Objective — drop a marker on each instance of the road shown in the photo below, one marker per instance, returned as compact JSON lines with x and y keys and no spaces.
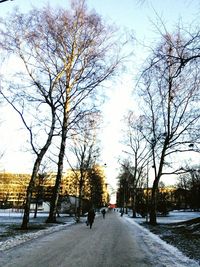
{"x":112,"y":242}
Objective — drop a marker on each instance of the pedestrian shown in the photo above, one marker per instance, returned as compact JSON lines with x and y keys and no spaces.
{"x":103,"y":212}
{"x":122,"y":212}
{"x":90,"y":217}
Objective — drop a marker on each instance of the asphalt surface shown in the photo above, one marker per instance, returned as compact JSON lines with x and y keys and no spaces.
{"x":112,"y":242}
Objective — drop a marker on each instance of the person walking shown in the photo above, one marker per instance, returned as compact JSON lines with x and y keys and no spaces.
{"x":103,"y":212}
{"x":122,"y":212}
{"x":90,"y":217}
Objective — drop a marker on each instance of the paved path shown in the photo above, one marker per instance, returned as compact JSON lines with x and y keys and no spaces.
{"x":112,"y":242}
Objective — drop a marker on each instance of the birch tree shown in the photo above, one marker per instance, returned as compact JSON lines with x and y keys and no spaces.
{"x":31,"y":88}
{"x":89,"y":55}
{"x":67,"y":54}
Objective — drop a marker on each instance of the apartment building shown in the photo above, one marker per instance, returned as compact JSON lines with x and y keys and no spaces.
{"x":13,"y":187}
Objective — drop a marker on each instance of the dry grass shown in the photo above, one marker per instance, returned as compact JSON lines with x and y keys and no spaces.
{"x":184,"y":235}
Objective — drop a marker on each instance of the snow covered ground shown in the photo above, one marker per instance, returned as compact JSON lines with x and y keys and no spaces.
{"x":164,"y":250}
{"x":14,"y":218}
{"x":179,"y":229}
{"x":174,"y":217}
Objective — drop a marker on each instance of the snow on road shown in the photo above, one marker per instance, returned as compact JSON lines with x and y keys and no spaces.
{"x":164,"y":254}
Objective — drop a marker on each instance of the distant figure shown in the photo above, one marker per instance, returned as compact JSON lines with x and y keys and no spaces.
{"x":90,"y":217}
{"x":103,"y":212}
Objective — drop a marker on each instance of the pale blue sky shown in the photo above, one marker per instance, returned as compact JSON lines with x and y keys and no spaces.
{"x":127,"y":14}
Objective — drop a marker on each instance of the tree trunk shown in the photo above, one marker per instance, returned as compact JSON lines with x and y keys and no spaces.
{"x":133,"y":206}
{"x":56,"y":190}
{"x":36,"y":167}
{"x":30,"y":188}
{"x":80,"y":199}
{"x":36,"y":209}
{"x":25,"y":220}
{"x":153,"y":208}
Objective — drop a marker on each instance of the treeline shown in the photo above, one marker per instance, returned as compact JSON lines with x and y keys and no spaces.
{"x":182,"y":196}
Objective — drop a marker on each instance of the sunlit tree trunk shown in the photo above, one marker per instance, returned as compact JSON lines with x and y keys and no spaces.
{"x":56,"y":190}
{"x":34,"y":175}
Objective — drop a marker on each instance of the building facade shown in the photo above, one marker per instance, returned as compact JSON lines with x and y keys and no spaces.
{"x":13,"y":187}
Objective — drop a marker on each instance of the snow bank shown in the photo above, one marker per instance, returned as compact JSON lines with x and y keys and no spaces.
{"x":12,"y":242}
{"x":166,"y":254}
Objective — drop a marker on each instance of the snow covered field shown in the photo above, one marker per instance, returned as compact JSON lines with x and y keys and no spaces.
{"x":180,"y":229}
{"x":175,"y":216}
{"x":10,"y":219}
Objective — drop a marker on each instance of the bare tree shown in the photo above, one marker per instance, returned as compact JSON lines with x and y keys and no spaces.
{"x":32,"y":91}
{"x":39,"y":150}
{"x":89,"y":55}
{"x":170,"y":93}
{"x":85,"y":149}
{"x":67,"y":55}
{"x":138,"y":151}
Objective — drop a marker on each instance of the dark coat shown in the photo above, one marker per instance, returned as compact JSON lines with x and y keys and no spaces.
{"x":103,"y":211}
{"x":91,"y":215}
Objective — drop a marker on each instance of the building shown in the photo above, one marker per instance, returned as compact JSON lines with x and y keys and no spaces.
{"x":13,"y":187}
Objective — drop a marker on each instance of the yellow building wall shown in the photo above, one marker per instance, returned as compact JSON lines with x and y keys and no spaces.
{"x":13,"y":186}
